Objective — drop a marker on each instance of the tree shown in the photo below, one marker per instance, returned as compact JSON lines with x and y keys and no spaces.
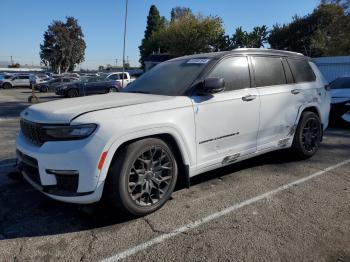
{"x":312,"y":34}
{"x":154,"y":23}
{"x":255,"y":39}
{"x":345,"y":4}
{"x":179,"y":12}
{"x":189,"y":34}
{"x":63,"y":46}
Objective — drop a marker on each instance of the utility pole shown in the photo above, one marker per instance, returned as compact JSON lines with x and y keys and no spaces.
{"x":126,"y":15}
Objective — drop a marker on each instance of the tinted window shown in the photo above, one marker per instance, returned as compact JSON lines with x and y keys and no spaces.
{"x":340,"y":83}
{"x":23,"y":77}
{"x":301,"y":70}
{"x":268,"y":71}
{"x":66,"y":80}
{"x":169,"y":78}
{"x":114,"y":77}
{"x":234,"y":71}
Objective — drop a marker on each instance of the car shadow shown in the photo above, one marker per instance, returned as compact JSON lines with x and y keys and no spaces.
{"x":12,"y":109}
{"x":26,"y":212}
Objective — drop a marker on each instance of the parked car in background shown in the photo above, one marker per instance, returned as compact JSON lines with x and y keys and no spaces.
{"x":23,"y":80}
{"x":182,"y":118}
{"x":118,"y":76}
{"x":340,"y":104}
{"x":88,"y":86}
{"x":51,"y":85}
{"x":43,"y":76}
{"x":76,"y":75}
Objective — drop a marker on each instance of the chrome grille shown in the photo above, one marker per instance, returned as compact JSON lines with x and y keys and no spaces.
{"x":32,"y":131}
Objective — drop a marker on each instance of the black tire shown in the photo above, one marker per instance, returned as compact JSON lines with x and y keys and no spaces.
{"x":7,"y":86}
{"x":72,"y":93}
{"x":307,"y":137}
{"x":44,"y":89}
{"x":123,"y":175}
{"x":112,"y":90}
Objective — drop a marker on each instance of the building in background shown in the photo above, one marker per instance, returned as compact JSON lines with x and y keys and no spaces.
{"x":333,"y":67}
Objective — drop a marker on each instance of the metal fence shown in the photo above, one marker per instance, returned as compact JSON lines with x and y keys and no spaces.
{"x":334,"y":66}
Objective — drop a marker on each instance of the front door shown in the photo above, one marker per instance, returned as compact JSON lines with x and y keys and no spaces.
{"x":227,"y":122}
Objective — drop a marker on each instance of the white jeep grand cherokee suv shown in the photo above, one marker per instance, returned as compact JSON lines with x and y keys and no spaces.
{"x":182,"y":118}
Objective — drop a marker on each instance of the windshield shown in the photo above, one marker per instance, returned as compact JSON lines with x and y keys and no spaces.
{"x":170,"y":78}
{"x":340,"y":83}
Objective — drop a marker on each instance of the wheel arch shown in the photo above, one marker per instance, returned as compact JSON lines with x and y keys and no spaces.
{"x":171,"y":137}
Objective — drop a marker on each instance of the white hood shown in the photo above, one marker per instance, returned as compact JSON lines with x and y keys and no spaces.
{"x":64,"y":110}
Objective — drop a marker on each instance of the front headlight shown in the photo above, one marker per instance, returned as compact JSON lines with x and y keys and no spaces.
{"x":74,"y":132}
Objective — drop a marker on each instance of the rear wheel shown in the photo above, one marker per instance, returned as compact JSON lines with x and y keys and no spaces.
{"x":72,"y":93}
{"x":142,"y":177}
{"x":307,"y":137}
{"x":7,"y":85}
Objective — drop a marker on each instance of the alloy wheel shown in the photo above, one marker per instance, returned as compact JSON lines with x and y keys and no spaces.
{"x":311,"y":135}
{"x":150,"y":176}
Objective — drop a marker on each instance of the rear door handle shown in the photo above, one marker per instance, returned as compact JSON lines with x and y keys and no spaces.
{"x":295,"y":91}
{"x":248,"y":98}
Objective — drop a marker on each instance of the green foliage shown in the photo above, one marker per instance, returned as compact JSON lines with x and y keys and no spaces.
{"x":255,"y":39}
{"x":63,"y":46}
{"x":345,"y":4}
{"x":189,"y":34}
{"x":179,"y":12}
{"x":324,"y":32}
{"x":154,"y":23}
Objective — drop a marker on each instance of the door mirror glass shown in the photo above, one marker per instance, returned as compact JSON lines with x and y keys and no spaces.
{"x":212,"y":85}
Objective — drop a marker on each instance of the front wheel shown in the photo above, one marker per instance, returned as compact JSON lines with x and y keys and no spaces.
{"x":308,"y":135}
{"x":142,"y":177}
{"x":7,"y":86}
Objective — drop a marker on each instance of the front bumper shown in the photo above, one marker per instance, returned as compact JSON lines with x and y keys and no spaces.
{"x":42,"y":167}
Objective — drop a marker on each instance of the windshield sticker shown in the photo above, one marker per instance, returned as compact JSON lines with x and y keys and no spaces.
{"x":198,"y":61}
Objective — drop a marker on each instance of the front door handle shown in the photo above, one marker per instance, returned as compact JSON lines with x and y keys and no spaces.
{"x":248,"y":98}
{"x":295,"y":91}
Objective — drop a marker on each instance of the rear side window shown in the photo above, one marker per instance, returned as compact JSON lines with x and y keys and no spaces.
{"x":340,"y":83}
{"x":23,"y":77}
{"x":234,"y":71}
{"x":268,"y":71}
{"x":301,"y":70}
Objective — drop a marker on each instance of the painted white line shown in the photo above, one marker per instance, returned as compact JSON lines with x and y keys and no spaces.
{"x":133,"y":250}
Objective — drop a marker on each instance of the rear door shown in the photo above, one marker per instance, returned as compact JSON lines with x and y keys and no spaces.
{"x":227,"y":122}
{"x":280,"y":100}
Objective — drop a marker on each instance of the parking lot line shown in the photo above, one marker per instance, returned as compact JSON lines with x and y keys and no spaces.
{"x":163,"y":237}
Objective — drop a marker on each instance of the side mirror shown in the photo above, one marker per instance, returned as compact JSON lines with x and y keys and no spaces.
{"x":212,"y":85}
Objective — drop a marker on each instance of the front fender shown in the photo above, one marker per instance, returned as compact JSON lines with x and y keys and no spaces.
{"x":115,"y":143}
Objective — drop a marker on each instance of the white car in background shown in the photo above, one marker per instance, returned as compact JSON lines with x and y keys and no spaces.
{"x":183,"y":117}
{"x":340,"y":105}
{"x":118,"y":76}
{"x":22,"y":80}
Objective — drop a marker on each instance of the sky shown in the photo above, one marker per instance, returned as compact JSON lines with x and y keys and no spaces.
{"x":23,"y":23}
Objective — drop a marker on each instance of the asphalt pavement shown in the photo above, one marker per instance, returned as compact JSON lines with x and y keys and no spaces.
{"x":270,"y":208}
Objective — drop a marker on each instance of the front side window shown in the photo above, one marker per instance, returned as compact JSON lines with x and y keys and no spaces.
{"x":268,"y":71}
{"x":235,"y":72}
{"x":114,"y":77}
{"x":301,"y":70}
